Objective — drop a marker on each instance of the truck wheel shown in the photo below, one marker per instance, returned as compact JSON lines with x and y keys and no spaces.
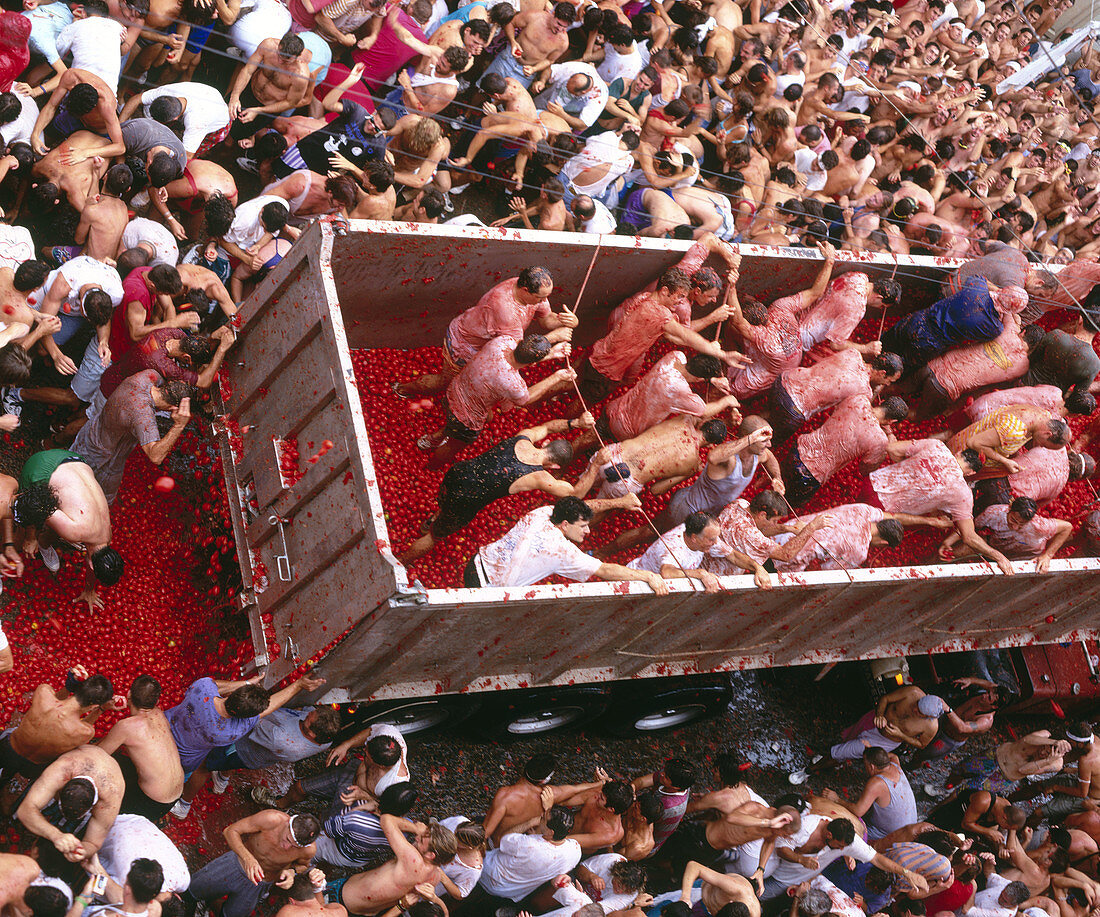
{"x":530,"y":714}
{"x":635,"y":712}
{"x":416,"y":716}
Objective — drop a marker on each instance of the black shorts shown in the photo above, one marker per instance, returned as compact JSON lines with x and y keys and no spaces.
{"x":239,"y":129}
{"x":12,"y":763}
{"x":801,"y":484}
{"x":455,"y":513}
{"x":456,"y":429}
{"x":134,"y":800}
{"x":991,"y":492}
{"x":786,"y":417}
{"x":933,"y":399}
{"x":471,"y":579}
{"x":594,"y":385}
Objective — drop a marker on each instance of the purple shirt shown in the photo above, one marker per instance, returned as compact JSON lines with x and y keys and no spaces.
{"x":197,"y":726}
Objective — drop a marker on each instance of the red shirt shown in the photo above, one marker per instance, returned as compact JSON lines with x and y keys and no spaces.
{"x":641,"y":327}
{"x":951,"y":899}
{"x":134,"y":289}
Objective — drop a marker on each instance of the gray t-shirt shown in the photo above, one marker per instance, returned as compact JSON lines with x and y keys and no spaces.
{"x":277,"y":737}
{"x":1063,"y":360}
{"x":142,"y":134}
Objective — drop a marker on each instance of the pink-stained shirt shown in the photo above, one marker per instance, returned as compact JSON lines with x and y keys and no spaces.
{"x":851,"y":432}
{"x":1043,"y":474}
{"x":486,"y":381}
{"x":660,"y":393}
{"x":740,"y":532}
{"x":1048,"y":397}
{"x":497,"y":313}
{"x":641,"y":327}
{"x":691,"y":262}
{"x":815,"y":388}
{"x":773,"y":347}
{"x":835,"y":315}
{"x":1010,"y":300}
{"x":928,"y":480}
{"x":533,"y":549}
{"x":966,"y":368}
{"x":672,"y":549}
{"x":1075,"y":281}
{"x":847,"y":537}
{"x":1029,"y":540}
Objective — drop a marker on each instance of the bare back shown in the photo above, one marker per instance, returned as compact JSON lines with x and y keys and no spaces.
{"x":668,"y":450}
{"x":147,"y":739}
{"x":50,"y":728}
{"x":520,"y":802}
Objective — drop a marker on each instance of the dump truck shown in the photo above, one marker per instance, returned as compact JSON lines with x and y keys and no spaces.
{"x":322,"y":585}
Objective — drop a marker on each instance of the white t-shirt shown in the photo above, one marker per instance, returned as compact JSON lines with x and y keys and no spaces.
{"x":672,"y":547}
{"x":96,"y":46}
{"x":523,"y":862}
{"x":80,"y":271}
{"x":204,"y":113}
{"x":986,"y":902}
{"x":560,"y":74}
{"x":165,"y":248}
{"x":790,"y":874}
{"x":533,"y":549}
{"x":464,"y":876}
{"x":132,"y":837}
{"x":804,"y":160}
{"x":247,"y":229}
{"x":393,"y":775}
{"x":573,"y":899}
{"x":603,"y":221}
{"x":614,"y":64}
{"x":16,"y":246}
{"x":23,"y":125}
{"x":3,"y":640}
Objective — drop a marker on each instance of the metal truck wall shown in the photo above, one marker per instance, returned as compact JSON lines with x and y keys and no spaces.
{"x":395,"y":285}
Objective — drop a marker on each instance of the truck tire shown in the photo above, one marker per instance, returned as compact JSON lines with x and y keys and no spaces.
{"x":530,"y":714}
{"x":416,"y":716}
{"x":642,"y":708}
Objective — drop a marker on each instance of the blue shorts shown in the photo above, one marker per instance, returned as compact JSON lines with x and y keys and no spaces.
{"x":801,"y":485}
{"x":634,"y":212}
{"x":786,"y":417}
{"x":198,"y":37}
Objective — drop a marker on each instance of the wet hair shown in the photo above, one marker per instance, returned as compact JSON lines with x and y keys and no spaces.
{"x":469,"y":834}
{"x":291,"y":45}
{"x":501,"y":14}
{"x":840,"y":829}
{"x":768,"y":503}
{"x":1015,"y":816}
{"x":891,"y":531}
{"x":34,"y":504}
{"x":1015,"y":893}
{"x":15,"y":364}
{"x":342,"y":188}
{"x":162,"y":169}
{"x":273,"y":144}
{"x":876,"y":757}
{"x":480,"y":29}
{"x":704,"y":366}
{"x":972,"y":459}
{"x":301,"y":889}
{"x":10,"y":107}
{"x":553,"y":189}
{"x":532,"y":279}
{"x":674,"y":280}
{"x":829,"y":160}
{"x":30,"y":275}
{"x":93,"y":691}
{"x":531,"y":349}
{"x":559,"y":451}
{"x":697,"y":521}
{"x":1087,"y":469}
{"x":706,"y":278}
{"x":1080,"y":402}
{"x":560,"y":820}
{"x":398,"y":799}
{"x":77,"y":797}
{"x":384,"y":750}
{"x":218,"y":213}
{"x":629,"y":876}
{"x":145,"y":692}
{"x":118,"y":179}
{"x":457,"y":58}
{"x":620,"y":34}
{"x":107,"y":565}
{"x":493,"y":83}
{"x":305,"y":828}
{"x":650,"y":806}
{"x":81,"y":99}
{"x":568,"y":509}
{"x":379,"y":174}
{"x":619,"y":795}
{"x":754,"y":311}
{"x":247,"y":701}
{"x":714,"y":432}
{"x":895,"y":408}
{"x":200,"y":348}
{"x":166,"y":279}
{"x":98,"y":307}
{"x":1060,"y":432}
{"x":889,"y":290}
{"x":792,"y":94}
{"x":45,"y":901}
{"x":166,"y":109}
{"x":565,"y":12}
{"x":432,"y":203}
{"x":145,"y":878}
{"x":539,"y":768}
{"x":274,"y":215}
{"x":1024,"y":507}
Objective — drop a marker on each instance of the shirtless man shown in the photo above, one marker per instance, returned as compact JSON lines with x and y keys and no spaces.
{"x":434,"y":85}
{"x":81,"y":110}
{"x":201,"y":180}
{"x":510,"y":113}
{"x":306,"y":893}
{"x":541,"y":41}
{"x":84,"y":781}
{"x":663,"y":456}
{"x":69,"y":167}
{"x":79,"y":515}
{"x":196,"y":277}
{"x":1071,"y":793}
{"x":749,"y":830}
{"x":521,"y":801}
{"x":104,"y":217}
{"x":263,"y":849}
{"x":56,"y":723}
{"x":599,"y":822}
{"x":376,"y":196}
{"x":719,"y":889}
{"x":17,"y":872}
{"x":375,"y":891}
{"x":275,"y":79}
{"x":143,"y":746}
{"x":310,"y":194}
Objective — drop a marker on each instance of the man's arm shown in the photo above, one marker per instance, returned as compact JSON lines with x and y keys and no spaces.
{"x":281,"y":698}
{"x":37,"y":798}
{"x":618,"y":573}
{"x":788,"y":552}
{"x":157,"y":452}
{"x":332,"y":101}
{"x":1064,"y":530}
{"x":872,"y":793}
{"x":812,"y":295}
{"x":210,"y":371}
{"x":917,"y":881}
{"x":973,"y":540}
{"x":244,"y":77}
{"x":234,"y":835}
{"x":685,"y":337}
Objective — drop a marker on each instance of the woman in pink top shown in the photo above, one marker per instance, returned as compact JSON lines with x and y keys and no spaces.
{"x":926,"y":478}
{"x":856,"y":430}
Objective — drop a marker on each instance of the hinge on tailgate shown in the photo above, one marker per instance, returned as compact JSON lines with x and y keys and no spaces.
{"x":410,"y":596}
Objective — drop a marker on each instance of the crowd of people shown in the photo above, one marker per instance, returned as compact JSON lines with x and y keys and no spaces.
{"x":1014,"y":832}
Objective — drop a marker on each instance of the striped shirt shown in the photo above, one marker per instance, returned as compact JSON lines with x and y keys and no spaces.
{"x":922,"y":860}
{"x":1011,"y":432}
{"x":356,"y":834}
